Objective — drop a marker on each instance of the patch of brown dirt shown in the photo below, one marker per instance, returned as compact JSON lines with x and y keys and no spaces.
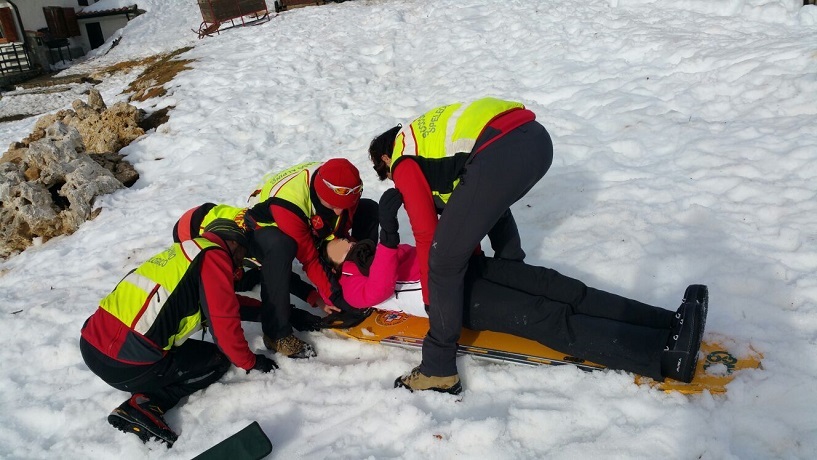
{"x":150,"y":83}
{"x":155,"y":119}
{"x":13,"y":118}
{"x":44,"y":81}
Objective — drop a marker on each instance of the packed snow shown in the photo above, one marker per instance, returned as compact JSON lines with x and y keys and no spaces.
{"x":685,"y":151}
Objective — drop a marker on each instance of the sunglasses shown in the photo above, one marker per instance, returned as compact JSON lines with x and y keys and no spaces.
{"x":342,"y":191}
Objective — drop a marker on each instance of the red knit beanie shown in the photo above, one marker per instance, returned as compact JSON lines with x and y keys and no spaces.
{"x":342,"y":174}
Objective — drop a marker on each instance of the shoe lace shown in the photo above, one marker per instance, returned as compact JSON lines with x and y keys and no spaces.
{"x":413,"y":375}
{"x":155,"y":409}
{"x":675,"y":330}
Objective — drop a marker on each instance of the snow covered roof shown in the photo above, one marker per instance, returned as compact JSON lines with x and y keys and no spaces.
{"x":109,"y":8}
{"x":106,"y":5}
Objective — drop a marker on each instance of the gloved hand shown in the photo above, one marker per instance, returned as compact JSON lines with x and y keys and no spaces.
{"x":338,"y":301}
{"x":303,"y":320}
{"x":390,"y":203}
{"x":263,"y":364}
{"x":346,"y":319}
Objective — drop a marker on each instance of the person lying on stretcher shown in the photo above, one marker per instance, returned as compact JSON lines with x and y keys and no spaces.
{"x":529,"y":301}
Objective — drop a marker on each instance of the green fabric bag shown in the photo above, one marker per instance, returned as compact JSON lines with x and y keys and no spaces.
{"x":251,"y":443}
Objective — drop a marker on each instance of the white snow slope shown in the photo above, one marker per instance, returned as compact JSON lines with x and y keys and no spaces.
{"x":685,"y":152}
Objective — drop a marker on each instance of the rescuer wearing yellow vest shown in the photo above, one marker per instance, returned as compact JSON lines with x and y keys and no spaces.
{"x":299,"y":210}
{"x":191,"y":224}
{"x":467,"y":162}
{"x":139,"y":338}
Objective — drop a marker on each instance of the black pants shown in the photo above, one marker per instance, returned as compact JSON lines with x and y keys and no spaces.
{"x":276,"y":251}
{"x":249,"y":279}
{"x":564,"y":314}
{"x":497,"y":177}
{"x":191,"y":367}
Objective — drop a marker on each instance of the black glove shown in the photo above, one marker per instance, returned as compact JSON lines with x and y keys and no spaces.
{"x":390,"y":203}
{"x":263,"y":364}
{"x":337,"y":300}
{"x":303,"y":320}
{"x":346,"y":319}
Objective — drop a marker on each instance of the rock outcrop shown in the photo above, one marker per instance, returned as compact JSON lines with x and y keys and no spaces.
{"x":49,"y":180}
{"x":50,"y":190}
{"x":103,"y":129}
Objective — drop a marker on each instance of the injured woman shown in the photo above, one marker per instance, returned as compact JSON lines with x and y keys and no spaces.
{"x":536,"y":303}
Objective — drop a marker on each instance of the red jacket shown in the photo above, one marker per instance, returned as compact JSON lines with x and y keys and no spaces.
{"x":390,"y":267}
{"x":304,"y":234}
{"x":210,"y":287}
{"x":219,"y":300}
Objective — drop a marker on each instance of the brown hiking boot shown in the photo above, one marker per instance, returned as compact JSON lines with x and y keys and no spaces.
{"x":416,"y":380}
{"x":291,"y":347}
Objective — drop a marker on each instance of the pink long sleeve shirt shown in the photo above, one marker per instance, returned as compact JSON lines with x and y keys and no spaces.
{"x":393,"y":282}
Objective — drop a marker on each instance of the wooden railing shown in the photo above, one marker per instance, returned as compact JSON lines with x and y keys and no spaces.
{"x":14,"y":58}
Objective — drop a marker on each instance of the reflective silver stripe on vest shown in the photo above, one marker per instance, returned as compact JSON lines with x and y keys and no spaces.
{"x":409,"y":143}
{"x":190,"y":249}
{"x":460,"y":145}
{"x":451,"y":146}
{"x":273,"y":191}
{"x":154,"y":303}
{"x":157,"y":299}
{"x":181,"y":340}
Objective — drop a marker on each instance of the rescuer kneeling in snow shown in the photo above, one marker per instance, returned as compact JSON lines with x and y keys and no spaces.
{"x":137,"y":340}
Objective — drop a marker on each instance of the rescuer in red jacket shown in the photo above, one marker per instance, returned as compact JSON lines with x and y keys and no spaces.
{"x":139,"y":340}
{"x":299,"y":210}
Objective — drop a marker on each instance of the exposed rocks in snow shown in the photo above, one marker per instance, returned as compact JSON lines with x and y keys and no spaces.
{"x":102,"y":129}
{"x":49,"y":180}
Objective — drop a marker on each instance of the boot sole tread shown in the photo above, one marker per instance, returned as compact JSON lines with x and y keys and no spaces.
{"x":127,"y":424}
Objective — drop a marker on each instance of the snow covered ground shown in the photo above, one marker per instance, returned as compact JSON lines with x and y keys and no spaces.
{"x":685,"y":152}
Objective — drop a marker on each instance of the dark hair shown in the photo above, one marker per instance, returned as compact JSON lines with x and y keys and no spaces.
{"x":383,"y":145}
{"x":362,"y":255}
{"x":323,"y":257}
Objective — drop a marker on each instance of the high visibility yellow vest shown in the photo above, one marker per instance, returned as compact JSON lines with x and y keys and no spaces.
{"x":448,"y":130}
{"x":292,"y":185}
{"x":193,"y":222}
{"x":139,"y":298}
{"x":223,"y":211}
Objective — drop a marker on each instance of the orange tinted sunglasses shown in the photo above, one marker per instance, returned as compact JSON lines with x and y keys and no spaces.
{"x":341,"y":190}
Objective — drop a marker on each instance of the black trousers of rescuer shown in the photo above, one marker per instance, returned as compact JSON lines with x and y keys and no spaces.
{"x":276,"y":251}
{"x":186,"y":369}
{"x":494,"y":179}
{"x":564,"y":314}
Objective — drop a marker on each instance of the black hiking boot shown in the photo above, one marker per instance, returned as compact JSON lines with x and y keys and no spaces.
{"x":138,"y":416}
{"x":698,"y":293}
{"x":680,"y":356}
